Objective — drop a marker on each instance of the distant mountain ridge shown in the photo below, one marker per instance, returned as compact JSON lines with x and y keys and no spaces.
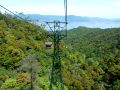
{"x":76,"y":21}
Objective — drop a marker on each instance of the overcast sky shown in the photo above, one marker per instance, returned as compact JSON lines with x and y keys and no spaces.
{"x":91,"y":8}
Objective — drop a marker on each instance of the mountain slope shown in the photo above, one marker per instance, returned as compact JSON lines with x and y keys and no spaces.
{"x":18,"y":37}
{"x":89,"y":38}
{"x":91,"y":60}
{"x":21,"y":41}
{"x":95,"y":55}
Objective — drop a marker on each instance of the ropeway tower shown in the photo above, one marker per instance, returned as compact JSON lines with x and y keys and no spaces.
{"x":58,"y":32}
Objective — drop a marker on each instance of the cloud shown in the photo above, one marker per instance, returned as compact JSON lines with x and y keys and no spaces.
{"x":95,"y":11}
{"x":117,"y":3}
{"x":39,"y":9}
{"x":75,"y":7}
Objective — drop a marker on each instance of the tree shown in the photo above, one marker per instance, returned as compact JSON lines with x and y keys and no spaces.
{"x":10,"y":84}
{"x":116,"y":85}
{"x":30,"y":65}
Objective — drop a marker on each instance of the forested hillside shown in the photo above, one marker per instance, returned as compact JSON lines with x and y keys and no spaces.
{"x":95,"y":54}
{"x":92,"y":57}
{"x":22,"y":49}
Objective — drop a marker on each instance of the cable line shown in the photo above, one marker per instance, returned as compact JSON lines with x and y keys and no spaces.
{"x":12,"y":12}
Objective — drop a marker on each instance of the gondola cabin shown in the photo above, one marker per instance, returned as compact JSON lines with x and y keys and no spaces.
{"x":48,"y":45}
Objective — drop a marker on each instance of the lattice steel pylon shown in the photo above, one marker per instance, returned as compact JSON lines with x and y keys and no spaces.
{"x":58,"y":32}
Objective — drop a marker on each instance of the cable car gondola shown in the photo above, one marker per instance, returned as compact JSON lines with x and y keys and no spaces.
{"x":48,"y":45}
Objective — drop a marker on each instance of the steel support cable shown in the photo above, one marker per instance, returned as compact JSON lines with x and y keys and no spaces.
{"x":11,"y":12}
{"x":66,"y":20}
{"x":65,"y":10}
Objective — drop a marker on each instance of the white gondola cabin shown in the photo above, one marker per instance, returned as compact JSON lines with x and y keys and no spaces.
{"x":48,"y":45}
